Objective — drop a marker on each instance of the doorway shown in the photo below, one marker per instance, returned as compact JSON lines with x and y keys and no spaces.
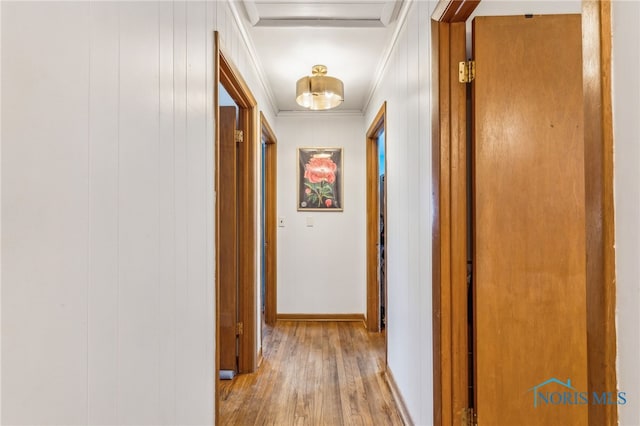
{"x":227,"y":198}
{"x":269,"y":199}
{"x":236,"y":230}
{"x":376,"y":221}
{"x":589,"y":288}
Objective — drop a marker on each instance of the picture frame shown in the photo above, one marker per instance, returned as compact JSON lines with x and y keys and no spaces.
{"x":320,"y":176}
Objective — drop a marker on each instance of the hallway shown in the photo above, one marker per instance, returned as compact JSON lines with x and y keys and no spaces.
{"x":110,"y":171}
{"x":313,"y":373}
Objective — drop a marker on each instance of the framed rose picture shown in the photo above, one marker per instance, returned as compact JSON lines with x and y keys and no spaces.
{"x":320,"y":179}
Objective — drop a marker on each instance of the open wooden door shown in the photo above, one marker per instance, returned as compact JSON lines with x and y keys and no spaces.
{"x":228,"y":240}
{"x":530,"y":312}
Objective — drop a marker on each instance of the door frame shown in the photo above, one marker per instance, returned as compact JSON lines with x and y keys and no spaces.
{"x":270,"y":174}
{"x":449,"y":245}
{"x":450,"y":330}
{"x":373,"y":219}
{"x":226,"y":73}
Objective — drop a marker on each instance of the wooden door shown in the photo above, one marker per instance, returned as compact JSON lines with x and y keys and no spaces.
{"x":228,"y":239}
{"x":529,"y":227}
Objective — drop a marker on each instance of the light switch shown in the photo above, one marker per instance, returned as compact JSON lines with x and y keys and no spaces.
{"x":281,"y":222}
{"x":309,"y":220}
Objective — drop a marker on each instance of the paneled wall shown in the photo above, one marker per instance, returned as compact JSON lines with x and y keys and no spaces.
{"x":626,"y":106}
{"x":405,"y":86}
{"x":321,"y":268}
{"x":108,"y":209}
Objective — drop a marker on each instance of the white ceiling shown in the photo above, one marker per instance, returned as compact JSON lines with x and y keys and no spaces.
{"x":350,"y":37}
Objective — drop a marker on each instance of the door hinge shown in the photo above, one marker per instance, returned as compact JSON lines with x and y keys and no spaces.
{"x":466,"y":71}
{"x":239,"y":329}
{"x":239,"y":135}
{"x":469,"y":417}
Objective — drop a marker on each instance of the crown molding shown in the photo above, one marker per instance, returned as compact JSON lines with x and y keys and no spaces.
{"x":386,"y":56}
{"x":253,"y":56}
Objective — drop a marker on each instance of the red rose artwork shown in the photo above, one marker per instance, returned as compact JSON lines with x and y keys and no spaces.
{"x":320,"y":171}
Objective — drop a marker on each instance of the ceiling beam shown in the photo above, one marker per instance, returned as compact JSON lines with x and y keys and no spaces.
{"x":390,"y":12}
{"x":252,"y":11}
{"x":320,"y":23}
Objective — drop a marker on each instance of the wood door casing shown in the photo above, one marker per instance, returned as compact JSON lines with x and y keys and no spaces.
{"x":449,"y":174}
{"x":270,"y":221}
{"x":373,"y":220}
{"x":529,"y":217}
{"x":237,"y":88}
{"x":601,"y":275}
{"x":228,"y":239}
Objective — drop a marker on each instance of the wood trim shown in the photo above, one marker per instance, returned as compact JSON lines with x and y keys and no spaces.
{"x":449,"y":174}
{"x":459,"y":244}
{"x":454,"y":10}
{"x":451,"y":341}
{"x":449,"y":168}
{"x":441,"y":231}
{"x":230,"y":78}
{"x":601,"y":292}
{"x":270,"y":221}
{"x":216,"y":186}
{"x":397,"y":396}
{"x":260,"y":357}
{"x":379,"y":122}
{"x":267,"y":131}
{"x":373,"y":301}
{"x":465,"y":10}
{"x":238,"y":88}
{"x":436,"y":240}
{"x":373,"y":218}
{"x":321,"y":317}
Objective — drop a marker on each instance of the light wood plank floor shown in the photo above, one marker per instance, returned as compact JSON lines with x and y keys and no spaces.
{"x":313,"y":373}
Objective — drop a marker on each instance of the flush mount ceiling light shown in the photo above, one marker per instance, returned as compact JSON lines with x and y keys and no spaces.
{"x":319,"y":91}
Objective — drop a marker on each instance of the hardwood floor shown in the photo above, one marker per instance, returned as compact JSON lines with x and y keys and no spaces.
{"x":313,"y":373}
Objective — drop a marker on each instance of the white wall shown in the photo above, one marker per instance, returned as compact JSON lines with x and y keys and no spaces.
{"x":405,"y":86}
{"x":1,"y":215}
{"x":321,"y":269}
{"x":107,"y":210}
{"x":626,"y":107}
